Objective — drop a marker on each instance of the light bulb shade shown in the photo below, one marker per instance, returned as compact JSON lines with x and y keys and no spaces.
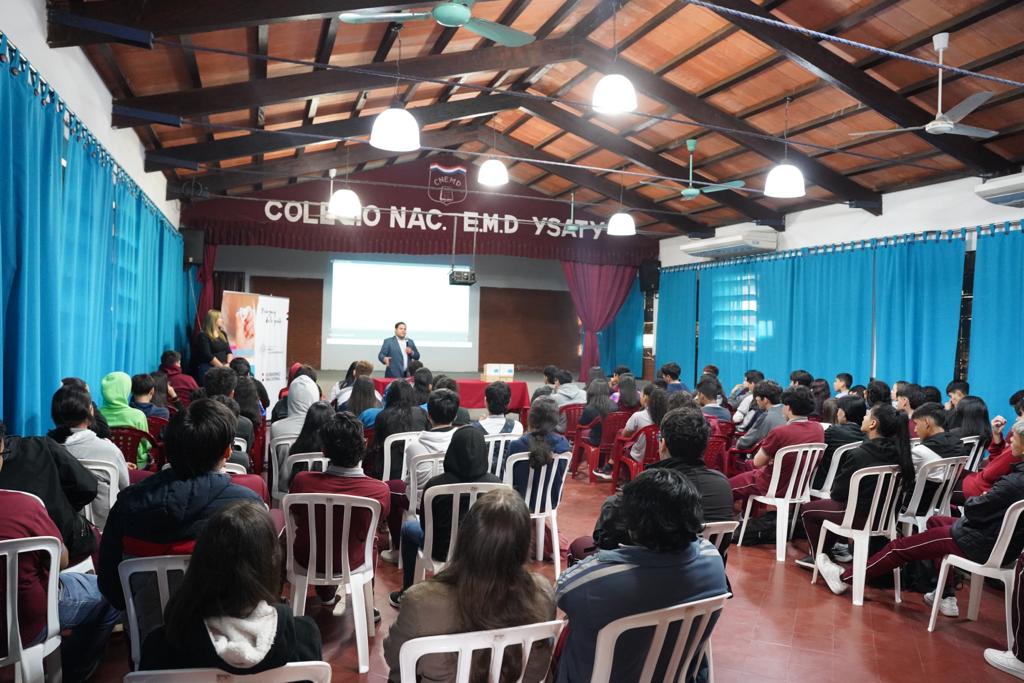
{"x":785,"y":181}
{"x":621,"y":225}
{"x":492,"y":173}
{"x":345,"y":204}
{"x":614,"y":94}
{"x":395,"y":130}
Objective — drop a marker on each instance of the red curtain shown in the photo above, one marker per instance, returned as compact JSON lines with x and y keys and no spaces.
{"x":598,"y":293}
{"x":205,"y":278}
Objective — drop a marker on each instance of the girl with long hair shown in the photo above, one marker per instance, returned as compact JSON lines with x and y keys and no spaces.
{"x":401,"y":414}
{"x":363,"y":397}
{"x":422,"y":384}
{"x":485,"y":585}
{"x":821,"y":390}
{"x":599,"y":404}
{"x":970,"y":418}
{"x":655,"y":404}
{"x":628,"y":395}
{"x":542,"y":442}
{"x":210,"y":348}
{"x":227,"y":614}
{"x":308,"y":440}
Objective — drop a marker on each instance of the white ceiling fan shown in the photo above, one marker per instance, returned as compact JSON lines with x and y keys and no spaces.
{"x":451,"y":15}
{"x":947,"y":123}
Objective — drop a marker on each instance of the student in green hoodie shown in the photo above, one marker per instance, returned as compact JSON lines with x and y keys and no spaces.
{"x":117,"y":390}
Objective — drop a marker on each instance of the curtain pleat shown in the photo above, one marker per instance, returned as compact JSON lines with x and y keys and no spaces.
{"x":621,"y":343}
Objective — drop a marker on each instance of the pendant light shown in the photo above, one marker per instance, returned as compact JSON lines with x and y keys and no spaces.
{"x":344,"y":203}
{"x":614,"y":93}
{"x":785,"y":181}
{"x":493,"y":172}
{"x":395,"y":129}
{"x":621,"y":224}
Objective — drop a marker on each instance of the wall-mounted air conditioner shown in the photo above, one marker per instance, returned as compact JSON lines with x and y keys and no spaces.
{"x":734,"y":246}
{"x":1008,"y":191}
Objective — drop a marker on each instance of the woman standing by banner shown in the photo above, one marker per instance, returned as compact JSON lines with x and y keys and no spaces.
{"x":210,"y":349}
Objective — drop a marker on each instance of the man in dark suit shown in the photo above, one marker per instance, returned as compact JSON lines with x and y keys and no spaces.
{"x":396,"y":352}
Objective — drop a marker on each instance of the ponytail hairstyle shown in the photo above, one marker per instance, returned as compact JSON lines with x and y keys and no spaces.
{"x":543,"y":421}
{"x":71,"y":406}
{"x":893,"y":425}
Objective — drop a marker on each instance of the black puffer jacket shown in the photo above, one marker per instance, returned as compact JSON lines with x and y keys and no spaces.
{"x":976,"y":532}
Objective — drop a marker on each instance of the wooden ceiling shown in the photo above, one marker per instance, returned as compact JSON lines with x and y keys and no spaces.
{"x":704,"y":74}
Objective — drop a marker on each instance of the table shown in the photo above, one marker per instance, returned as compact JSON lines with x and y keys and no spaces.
{"x":471,"y":392}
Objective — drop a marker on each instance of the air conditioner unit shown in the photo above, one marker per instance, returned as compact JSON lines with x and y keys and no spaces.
{"x":1008,"y":191}
{"x":734,"y":246}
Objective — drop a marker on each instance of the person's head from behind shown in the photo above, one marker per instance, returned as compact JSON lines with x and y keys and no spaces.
{"x":767,"y":393}
{"x":909,"y":398}
{"x":662,"y":510}
{"x":212,"y":325}
{"x":550,"y":372}
{"x":842,"y":382}
{"x":655,"y":402}
{"x":442,"y":407}
{"x":198,"y":439}
{"x":229,"y":403}
{"x":399,"y":396}
{"x":599,"y":397}
{"x":305,"y":371}
{"x":820,"y":391}
{"x":929,"y":420}
{"x":562,"y":378}
{"x":850,"y":410}
{"x":363,"y":395}
{"x":800,"y":378}
{"x":170,"y":359}
{"x":71,"y":408}
{"x":342,"y":440}
{"x":682,"y":399}
{"x":317,"y":416}
{"x":422,"y":384}
{"x":751,"y":378}
{"x":886,"y":422}
{"x":877,"y":392}
{"x":497,"y":395}
{"x":240,"y":366}
{"x":220,"y":382}
{"x":618,"y":372}
{"x":971,"y":418}
{"x":213,"y":587}
{"x":829,"y":408}
{"x":543,"y":416}
{"x":629,"y":396}
{"x":707,"y":391}
{"x":797,"y":401}
{"x":542,"y":390}
{"x":897,"y":387}
{"x":413,"y":366}
{"x":670,"y":372}
{"x":956,"y":391}
{"x":400,"y":329}
{"x":596,"y":372}
{"x":710,"y":370}
{"x":684,"y":435}
{"x":143,"y":387}
{"x":860,"y":391}
{"x":931,"y":394}
{"x":446,"y":382}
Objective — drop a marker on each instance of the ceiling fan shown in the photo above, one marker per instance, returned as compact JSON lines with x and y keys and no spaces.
{"x":691,"y":192}
{"x":451,"y":15}
{"x":947,"y":123}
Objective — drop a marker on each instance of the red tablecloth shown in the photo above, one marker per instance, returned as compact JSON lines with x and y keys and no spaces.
{"x":471,"y":392}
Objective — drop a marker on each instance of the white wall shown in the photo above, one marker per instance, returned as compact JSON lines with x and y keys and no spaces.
{"x":934,"y":207}
{"x":71,"y":74}
{"x":492,"y":271}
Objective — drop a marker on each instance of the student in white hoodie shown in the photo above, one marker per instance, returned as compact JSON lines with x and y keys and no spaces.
{"x":302,"y":393}
{"x":72,"y":411}
{"x":442,"y":408}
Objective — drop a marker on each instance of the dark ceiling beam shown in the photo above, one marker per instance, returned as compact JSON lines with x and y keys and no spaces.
{"x":269,"y":141}
{"x":235,"y":96}
{"x":219,"y":182}
{"x":839,"y":73}
{"x":645,"y":157}
{"x":258,"y":70}
{"x":179,"y":17}
{"x":602,"y":186}
{"x":324,"y":49}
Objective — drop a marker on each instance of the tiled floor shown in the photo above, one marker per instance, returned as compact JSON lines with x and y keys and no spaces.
{"x":777,"y":627}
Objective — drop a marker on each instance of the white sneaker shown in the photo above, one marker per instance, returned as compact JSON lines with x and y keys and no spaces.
{"x":1005,"y":661}
{"x":831,"y":572}
{"x":947,"y":606}
{"x":389,"y":556}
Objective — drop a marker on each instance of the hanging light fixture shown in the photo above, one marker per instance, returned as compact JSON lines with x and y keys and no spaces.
{"x":621,"y":224}
{"x":614,"y":93}
{"x":492,"y":173}
{"x":395,"y":129}
{"x":785,"y":181}
{"x":344,"y":203}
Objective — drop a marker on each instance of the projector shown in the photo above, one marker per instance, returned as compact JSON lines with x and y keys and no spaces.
{"x":462,"y":277}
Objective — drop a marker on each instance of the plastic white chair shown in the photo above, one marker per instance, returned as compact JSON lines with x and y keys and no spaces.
{"x":161,"y":566}
{"x":880,"y":521}
{"x":696,"y":620}
{"x":497,"y":447}
{"x":105,"y":472}
{"x":314,"y":462}
{"x":540,"y":501}
{"x":463,"y":645}
{"x":915,"y":442}
{"x":719,"y":534}
{"x":359,"y":579}
{"x":975,"y":450}
{"x":317,"y":672}
{"x":807,"y":457}
{"x":234,"y":468}
{"x":947,"y":471}
{"x":239,"y":444}
{"x":992,"y":568}
{"x":277,"y":452}
{"x":29,"y":661}
{"x":404,"y":438}
{"x":455,"y":492}
{"x":833,"y":469}
{"x":436,"y":463}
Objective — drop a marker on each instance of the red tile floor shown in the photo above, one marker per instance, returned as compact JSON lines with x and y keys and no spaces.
{"x":777,"y":627}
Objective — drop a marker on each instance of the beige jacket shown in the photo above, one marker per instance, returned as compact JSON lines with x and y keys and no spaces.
{"x":428,"y":609}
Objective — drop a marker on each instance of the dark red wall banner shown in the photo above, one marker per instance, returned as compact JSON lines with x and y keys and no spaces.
{"x":435,"y":200}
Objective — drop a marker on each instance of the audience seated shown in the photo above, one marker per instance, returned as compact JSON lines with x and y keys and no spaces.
{"x":442,"y":407}
{"x":708,"y":392}
{"x":228,"y":614}
{"x":550,"y":373}
{"x":768,"y":414}
{"x":81,"y":609}
{"x":222,"y":382}
{"x":829,"y":410}
{"x":363,"y":401}
{"x":797,"y":404}
{"x":163,"y":514}
{"x":72,"y":409}
{"x":342,"y":389}
{"x":842,"y":383}
{"x":936,"y":442}
{"x":143,"y":390}
{"x":655,"y":405}
{"x":281,"y":410}
{"x":445,"y":382}
{"x":666,"y":563}
{"x":800,"y":378}
{"x":164,"y":394}
{"x":970,"y":418}
{"x":909,"y":398}
{"x":302,"y":393}
{"x":342,"y":441}
{"x":613,"y":381}
{"x":497,"y":396}
{"x":237,"y":457}
{"x":465,"y":462}
{"x":99,"y":423}
{"x":541,"y":442}
{"x":422,"y":385}
{"x":821,"y":393}
{"x":850,"y":414}
{"x":1002,"y":460}
{"x":244,"y":370}
{"x":542,"y":390}
{"x":400,"y":414}
{"x":684,"y":437}
{"x":956,"y":390}
{"x":599,"y":404}
{"x":183,"y":385}
{"x":626,"y":395}
{"x":887,"y":443}
{"x":670,"y":375}
{"x":931,"y":394}
{"x":741,"y":398}
{"x":566,"y":392}
{"x":877,"y":392}
{"x":681,"y":399}
{"x":116,"y":388}
{"x":484,"y":586}
{"x":308,"y":441}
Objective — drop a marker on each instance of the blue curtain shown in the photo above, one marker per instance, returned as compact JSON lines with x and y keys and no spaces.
{"x":621,"y":343}
{"x":676,"y":327}
{"x":996,"y":366}
{"x":917,"y":309}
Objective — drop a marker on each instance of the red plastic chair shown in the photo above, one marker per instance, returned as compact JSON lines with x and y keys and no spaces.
{"x":127,"y":439}
{"x":156,"y":426}
{"x":156,"y":454}
{"x":259,"y":444}
{"x":572,"y":414}
{"x":716,"y":455}
{"x":622,"y":459}
{"x":584,"y":450}
{"x":369,"y":433}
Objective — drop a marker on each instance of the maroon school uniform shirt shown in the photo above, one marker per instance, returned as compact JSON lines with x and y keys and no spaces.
{"x":795,"y":432}
{"x":24,"y":517}
{"x":349,"y":481}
